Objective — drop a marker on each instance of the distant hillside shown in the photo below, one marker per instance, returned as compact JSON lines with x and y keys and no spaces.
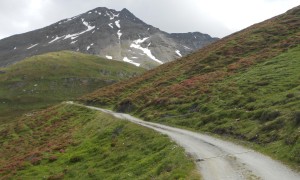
{"x":245,"y":86}
{"x":72,"y":142}
{"x":118,"y":35}
{"x":47,"y":79}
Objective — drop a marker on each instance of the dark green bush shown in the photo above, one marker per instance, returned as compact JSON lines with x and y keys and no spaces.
{"x":125,"y":106}
{"x":52,"y":158}
{"x":291,"y":139}
{"x":269,"y":137}
{"x":295,"y":153}
{"x":297,"y":117}
{"x":75,"y":159}
{"x":207,"y":119}
{"x":290,"y":95}
{"x":269,"y":115}
{"x":274,"y":125}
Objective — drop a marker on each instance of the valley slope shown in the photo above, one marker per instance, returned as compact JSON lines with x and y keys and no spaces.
{"x":48,"y":79}
{"x":245,"y":86}
{"x":72,"y":142}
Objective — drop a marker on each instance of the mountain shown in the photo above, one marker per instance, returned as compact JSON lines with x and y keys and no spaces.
{"x":108,"y":33}
{"x":245,"y":86}
{"x":47,"y":79}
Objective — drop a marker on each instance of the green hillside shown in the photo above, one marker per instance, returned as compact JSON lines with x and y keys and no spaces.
{"x":245,"y":86}
{"x":73,"y":142}
{"x":44,"y":80}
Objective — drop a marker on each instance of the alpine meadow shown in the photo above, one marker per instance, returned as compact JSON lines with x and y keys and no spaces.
{"x":105,"y":95}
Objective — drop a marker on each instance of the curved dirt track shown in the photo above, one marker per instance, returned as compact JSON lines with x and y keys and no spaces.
{"x":218,"y":159}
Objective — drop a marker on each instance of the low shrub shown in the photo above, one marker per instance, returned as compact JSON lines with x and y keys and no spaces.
{"x":291,"y":139}
{"x":269,"y":115}
{"x":297,"y":117}
{"x":125,"y":106}
{"x":75,"y":159}
{"x":274,"y":125}
{"x":52,"y":158}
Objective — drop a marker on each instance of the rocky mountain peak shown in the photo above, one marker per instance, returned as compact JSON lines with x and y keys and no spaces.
{"x":117,"y":35}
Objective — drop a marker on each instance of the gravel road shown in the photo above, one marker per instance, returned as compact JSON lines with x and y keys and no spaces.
{"x":218,"y":159}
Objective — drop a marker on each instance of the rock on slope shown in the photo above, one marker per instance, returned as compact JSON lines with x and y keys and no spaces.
{"x":112,"y":34}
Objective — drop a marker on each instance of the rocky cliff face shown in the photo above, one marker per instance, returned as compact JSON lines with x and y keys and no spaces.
{"x":117,"y":35}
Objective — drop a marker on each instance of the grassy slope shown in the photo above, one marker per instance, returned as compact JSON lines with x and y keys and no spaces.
{"x":47,"y":79}
{"x":68,"y":141}
{"x":245,"y":86}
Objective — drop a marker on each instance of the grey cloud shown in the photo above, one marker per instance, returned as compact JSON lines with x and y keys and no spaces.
{"x":168,"y":15}
{"x":18,"y":16}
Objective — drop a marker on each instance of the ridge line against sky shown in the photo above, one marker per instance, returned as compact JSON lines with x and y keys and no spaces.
{"x":217,"y":18}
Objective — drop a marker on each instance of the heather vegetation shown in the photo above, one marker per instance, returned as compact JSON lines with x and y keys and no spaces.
{"x":73,"y":142}
{"x":245,"y":86}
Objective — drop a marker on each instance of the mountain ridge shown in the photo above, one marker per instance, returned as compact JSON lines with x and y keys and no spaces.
{"x":107,"y":33}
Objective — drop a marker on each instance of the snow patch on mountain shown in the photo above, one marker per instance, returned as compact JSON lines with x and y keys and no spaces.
{"x":125,"y":59}
{"x":32,"y":46}
{"x":119,"y":34}
{"x":111,"y":25}
{"x":87,"y":25}
{"x":112,"y":15}
{"x":108,"y":57}
{"x":73,"y":42}
{"x":76,"y":35}
{"x":140,"y":41}
{"x":88,"y":47}
{"x":178,"y":53}
{"x":137,"y":45}
{"x":186,"y":47}
{"x":55,"y":39}
{"x":67,"y":20}
{"x":118,"y":24}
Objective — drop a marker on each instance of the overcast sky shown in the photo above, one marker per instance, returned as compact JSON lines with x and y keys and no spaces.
{"x":215,"y":17}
